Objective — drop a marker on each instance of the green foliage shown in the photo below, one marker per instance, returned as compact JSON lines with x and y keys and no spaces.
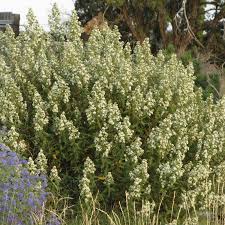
{"x":209,"y":88}
{"x":115,"y":2}
{"x":137,"y":3}
{"x":112,"y":121}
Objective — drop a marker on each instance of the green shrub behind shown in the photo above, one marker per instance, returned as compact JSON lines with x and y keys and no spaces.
{"x":112,"y":121}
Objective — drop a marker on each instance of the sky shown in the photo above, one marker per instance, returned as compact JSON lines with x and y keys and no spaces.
{"x":41,"y":8}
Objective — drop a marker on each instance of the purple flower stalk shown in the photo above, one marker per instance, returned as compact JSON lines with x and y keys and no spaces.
{"x":22,"y":195}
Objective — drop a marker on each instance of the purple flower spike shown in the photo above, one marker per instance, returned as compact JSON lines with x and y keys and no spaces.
{"x":20,"y":194}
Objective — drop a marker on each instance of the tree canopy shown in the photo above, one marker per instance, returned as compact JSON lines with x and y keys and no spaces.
{"x":183,"y":23}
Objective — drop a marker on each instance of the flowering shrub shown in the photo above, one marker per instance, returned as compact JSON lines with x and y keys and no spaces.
{"x":112,"y":121}
{"x":22,"y":195}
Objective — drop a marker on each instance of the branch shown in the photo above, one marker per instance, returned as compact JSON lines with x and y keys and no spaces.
{"x":212,"y":86}
{"x":189,"y":29}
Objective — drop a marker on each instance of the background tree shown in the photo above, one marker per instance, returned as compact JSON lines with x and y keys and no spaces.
{"x":191,"y":28}
{"x":179,"y":22}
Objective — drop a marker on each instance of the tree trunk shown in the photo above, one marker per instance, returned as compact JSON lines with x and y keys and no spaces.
{"x":162,"y":26}
{"x":135,"y":24}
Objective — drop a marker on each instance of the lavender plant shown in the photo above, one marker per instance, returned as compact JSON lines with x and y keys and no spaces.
{"x":136,"y":119}
{"x":23,"y":190}
{"x":22,"y":195}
